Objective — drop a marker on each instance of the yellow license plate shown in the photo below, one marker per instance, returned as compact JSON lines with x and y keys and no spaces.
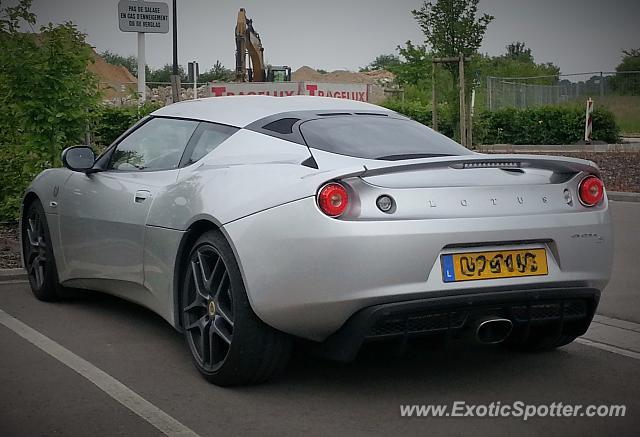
{"x":473,"y":266}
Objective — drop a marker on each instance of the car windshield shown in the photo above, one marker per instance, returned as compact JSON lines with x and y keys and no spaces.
{"x":377,"y":137}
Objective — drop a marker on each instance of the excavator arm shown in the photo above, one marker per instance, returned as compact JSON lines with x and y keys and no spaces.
{"x":248,"y":41}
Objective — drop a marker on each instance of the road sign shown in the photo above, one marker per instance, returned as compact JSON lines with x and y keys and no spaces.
{"x":143,"y":17}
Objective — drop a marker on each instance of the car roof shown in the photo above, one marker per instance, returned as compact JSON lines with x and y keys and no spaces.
{"x":243,"y":110}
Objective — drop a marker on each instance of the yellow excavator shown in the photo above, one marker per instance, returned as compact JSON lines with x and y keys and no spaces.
{"x":248,"y":42}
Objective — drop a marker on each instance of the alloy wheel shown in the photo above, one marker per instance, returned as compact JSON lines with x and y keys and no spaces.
{"x":36,"y":249}
{"x":208,"y":314}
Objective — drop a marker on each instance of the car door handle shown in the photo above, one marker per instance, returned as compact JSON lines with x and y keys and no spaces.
{"x":142,"y":195}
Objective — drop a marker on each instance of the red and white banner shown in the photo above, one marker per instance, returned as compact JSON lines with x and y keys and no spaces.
{"x":278,"y":89}
{"x":352,"y":91}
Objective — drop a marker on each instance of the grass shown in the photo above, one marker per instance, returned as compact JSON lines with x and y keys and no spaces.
{"x":626,"y":109}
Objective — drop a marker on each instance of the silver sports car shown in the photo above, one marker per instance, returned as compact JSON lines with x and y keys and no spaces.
{"x":248,"y":222}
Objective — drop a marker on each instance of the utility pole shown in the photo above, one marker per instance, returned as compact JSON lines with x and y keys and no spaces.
{"x":175,"y":77}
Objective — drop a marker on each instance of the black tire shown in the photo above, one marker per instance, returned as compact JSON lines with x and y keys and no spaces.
{"x":239,"y":347}
{"x":540,"y":343}
{"x":37,"y":254}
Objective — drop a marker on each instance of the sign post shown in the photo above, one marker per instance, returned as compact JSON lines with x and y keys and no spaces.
{"x":142,"y":17}
{"x":142,"y":88}
{"x":194,"y":72}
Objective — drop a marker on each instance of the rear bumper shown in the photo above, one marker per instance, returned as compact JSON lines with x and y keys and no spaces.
{"x":306,"y":274}
{"x":566,"y":311}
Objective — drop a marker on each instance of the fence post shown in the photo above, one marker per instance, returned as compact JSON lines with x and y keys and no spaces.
{"x":601,"y":85}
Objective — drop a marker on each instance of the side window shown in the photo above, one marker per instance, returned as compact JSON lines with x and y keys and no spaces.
{"x":207,"y":137}
{"x":156,"y":145}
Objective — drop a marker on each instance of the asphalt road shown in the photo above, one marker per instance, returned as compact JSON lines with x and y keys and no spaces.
{"x":39,"y":395}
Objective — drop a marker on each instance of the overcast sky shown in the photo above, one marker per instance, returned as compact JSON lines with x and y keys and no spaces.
{"x":577,"y":35}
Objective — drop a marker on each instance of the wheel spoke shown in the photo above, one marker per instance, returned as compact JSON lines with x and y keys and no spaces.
{"x":221,"y":330}
{"x":31,"y":234}
{"x":196,"y":324}
{"x":205,"y":280}
{"x":197,"y":280}
{"x":205,"y":342}
{"x":39,"y":273}
{"x":198,"y":303}
{"x":224,"y":314}
{"x":225,"y":278}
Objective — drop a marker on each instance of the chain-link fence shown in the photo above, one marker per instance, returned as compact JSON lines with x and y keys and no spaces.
{"x":525,"y":92}
{"x":617,"y":92}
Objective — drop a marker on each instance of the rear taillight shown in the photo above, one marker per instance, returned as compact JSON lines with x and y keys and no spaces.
{"x":333,"y":199}
{"x":591,"y":191}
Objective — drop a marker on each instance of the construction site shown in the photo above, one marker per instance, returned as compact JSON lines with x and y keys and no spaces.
{"x":252,"y":76}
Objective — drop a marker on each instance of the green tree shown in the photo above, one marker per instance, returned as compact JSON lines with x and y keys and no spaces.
{"x":163,"y":74}
{"x":452,"y":26}
{"x":624,"y":82}
{"x":46,"y":94}
{"x":217,"y":73}
{"x":10,"y":16}
{"x":129,"y":62}
{"x":383,"y":62}
{"x":519,"y":51}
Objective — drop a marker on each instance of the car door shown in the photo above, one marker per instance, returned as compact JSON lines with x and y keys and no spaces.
{"x":103,"y":214}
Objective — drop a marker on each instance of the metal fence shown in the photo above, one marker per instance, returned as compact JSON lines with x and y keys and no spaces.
{"x":526,"y":92}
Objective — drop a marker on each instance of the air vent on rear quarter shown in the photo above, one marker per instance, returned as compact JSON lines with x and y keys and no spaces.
{"x":282,"y":126}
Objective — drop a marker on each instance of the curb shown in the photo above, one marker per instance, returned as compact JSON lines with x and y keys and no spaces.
{"x":623,"y":196}
{"x":12,"y":275}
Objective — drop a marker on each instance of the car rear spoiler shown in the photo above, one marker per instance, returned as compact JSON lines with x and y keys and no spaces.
{"x":557,"y":164}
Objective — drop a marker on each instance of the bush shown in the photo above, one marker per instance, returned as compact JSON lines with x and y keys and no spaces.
{"x":109,"y":122}
{"x":18,"y":167}
{"x":422,"y":113}
{"x":543,"y":125}
{"x":20,"y":163}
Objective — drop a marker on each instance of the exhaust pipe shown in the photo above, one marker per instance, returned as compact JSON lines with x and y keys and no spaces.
{"x":492,"y":330}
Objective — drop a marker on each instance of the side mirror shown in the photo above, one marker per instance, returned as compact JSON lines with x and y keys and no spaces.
{"x":78,"y":158}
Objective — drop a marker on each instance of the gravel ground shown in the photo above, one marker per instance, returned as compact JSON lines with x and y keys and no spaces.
{"x":9,"y":247}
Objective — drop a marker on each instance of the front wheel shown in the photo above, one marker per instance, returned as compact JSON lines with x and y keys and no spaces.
{"x":228,"y":343}
{"x":37,"y":254}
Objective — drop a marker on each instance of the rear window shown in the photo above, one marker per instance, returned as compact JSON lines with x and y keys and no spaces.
{"x":372,"y":137}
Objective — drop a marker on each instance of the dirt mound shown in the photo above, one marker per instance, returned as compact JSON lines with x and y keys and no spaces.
{"x":115,"y":80}
{"x":341,"y":76}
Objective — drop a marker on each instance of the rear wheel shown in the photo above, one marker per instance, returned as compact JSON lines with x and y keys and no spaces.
{"x":228,"y":343}
{"x":37,"y":253}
